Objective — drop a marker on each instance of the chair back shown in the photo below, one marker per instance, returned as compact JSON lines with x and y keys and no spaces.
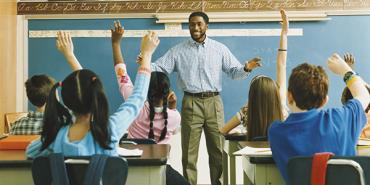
{"x":341,"y":170}
{"x":114,"y":172}
{"x":10,"y":118}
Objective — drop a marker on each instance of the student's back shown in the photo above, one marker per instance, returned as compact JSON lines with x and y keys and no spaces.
{"x":37,"y":88}
{"x":308,"y":129}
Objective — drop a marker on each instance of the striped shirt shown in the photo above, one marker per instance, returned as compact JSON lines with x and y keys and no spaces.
{"x":30,"y":125}
{"x":199,"y":66}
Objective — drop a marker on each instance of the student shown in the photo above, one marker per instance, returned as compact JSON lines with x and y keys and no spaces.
{"x":155,"y":120}
{"x":267,"y":99}
{"x":347,"y":95}
{"x":158,"y":119}
{"x":37,"y":88}
{"x":92,"y":131}
{"x":308,"y":129}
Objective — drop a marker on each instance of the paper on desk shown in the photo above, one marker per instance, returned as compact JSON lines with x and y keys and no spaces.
{"x":250,"y":151}
{"x":127,"y":152}
{"x":363,"y":142}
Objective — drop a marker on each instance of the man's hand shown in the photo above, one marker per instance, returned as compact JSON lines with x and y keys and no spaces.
{"x":253,"y":63}
{"x":117,"y":32}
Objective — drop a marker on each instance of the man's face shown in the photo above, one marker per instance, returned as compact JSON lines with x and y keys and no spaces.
{"x":198,"y":28}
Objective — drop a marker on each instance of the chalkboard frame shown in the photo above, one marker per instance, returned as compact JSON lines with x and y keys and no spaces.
{"x":183,"y":6}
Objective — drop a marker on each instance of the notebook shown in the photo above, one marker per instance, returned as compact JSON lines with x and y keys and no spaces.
{"x":251,"y":151}
{"x":129,"y":153}
{"x":17,"y":142}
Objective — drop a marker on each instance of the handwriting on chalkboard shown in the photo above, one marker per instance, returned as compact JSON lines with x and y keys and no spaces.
{"x":169,"y":6}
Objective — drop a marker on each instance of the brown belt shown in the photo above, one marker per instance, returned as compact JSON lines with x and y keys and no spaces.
{"x":202,"y":94}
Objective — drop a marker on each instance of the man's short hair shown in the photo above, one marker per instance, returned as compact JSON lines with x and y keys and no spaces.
{"x":201,"y":14}
{"x":308,"y":85}
{"x":38,"y":88}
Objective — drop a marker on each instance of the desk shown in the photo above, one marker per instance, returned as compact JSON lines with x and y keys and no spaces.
{"x":231,"y":146}
{"x":259,"y":170}
{"x":149,"y":169}
{"x":262,"y":170}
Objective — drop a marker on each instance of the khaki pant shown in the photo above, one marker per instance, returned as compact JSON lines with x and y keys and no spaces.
{"x":199,"y":114}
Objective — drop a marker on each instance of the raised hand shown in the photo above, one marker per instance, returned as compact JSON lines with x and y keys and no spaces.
{"x":149,"y":43}
{"x":117,"y":32}
{"x":349,"y":59}
{"x":65,"y":46}
{"x":172,"y":99}
{"x":64,"y":43}
{"x":337,"y":65}
{"x":253,"y":63}
{"x":285,"y":22}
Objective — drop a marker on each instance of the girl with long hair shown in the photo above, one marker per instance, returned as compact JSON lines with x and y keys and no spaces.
{"x":158,"y":119}
{"x":267,"y":98}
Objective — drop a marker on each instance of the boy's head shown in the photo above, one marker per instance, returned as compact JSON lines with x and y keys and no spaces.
{"x":38,"y":88}
{"x":308,"y":86}
{"x":347,"y":95}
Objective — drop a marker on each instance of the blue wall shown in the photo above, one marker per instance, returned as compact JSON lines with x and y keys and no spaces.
{"x":320,"y":39}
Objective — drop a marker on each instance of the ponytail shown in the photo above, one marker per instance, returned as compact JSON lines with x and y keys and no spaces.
{"x":165,"y":116}
{"x":151,"y":117}
{"x":99,"y":114}
{"x":55,"y":116}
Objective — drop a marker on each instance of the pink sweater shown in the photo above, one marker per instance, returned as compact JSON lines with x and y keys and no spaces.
{"x":139,"y":128}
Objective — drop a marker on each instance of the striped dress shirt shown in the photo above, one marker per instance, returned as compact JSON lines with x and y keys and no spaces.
{"x":199,"y":66}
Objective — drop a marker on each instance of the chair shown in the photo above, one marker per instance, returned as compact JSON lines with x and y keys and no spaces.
{"x":341,"y":170}
{"x":114,"y":172}
{"x":10,"y":118}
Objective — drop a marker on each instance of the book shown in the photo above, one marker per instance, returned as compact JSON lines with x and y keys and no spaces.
{"x":17,"y":142}
{"x":129,"y":153}
{"x":254,"y":152}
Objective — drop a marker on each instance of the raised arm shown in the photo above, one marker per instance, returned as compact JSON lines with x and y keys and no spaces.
{"x":65,"y":45}
{"x":281,"y":58}
{"x":355,"y":83}
{"x":117,"y":33}
{"x":123,"y":79}
{"x":129,"y":110}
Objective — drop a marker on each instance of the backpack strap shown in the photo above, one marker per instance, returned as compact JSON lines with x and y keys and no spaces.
{"x":94,"y":172}
{"x":318,"y":169}
{"x":58,"y":169}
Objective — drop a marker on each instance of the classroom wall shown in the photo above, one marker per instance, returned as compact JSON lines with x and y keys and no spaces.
{"x":319,"y":40}
{"x":8,"y":32}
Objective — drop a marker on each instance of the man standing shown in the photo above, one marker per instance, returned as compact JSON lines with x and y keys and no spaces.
{"x":199,"y":63}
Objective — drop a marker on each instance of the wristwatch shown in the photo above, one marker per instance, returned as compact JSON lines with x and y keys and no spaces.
{"x":348,"y":75}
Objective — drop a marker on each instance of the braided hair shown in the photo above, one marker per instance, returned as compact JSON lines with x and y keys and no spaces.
{"x":159,"y":89}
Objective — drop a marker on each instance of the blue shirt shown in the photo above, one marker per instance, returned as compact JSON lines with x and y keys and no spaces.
{"x":118,"y":123}
{"x":333,"y":130}
{"x":199,"y":66}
